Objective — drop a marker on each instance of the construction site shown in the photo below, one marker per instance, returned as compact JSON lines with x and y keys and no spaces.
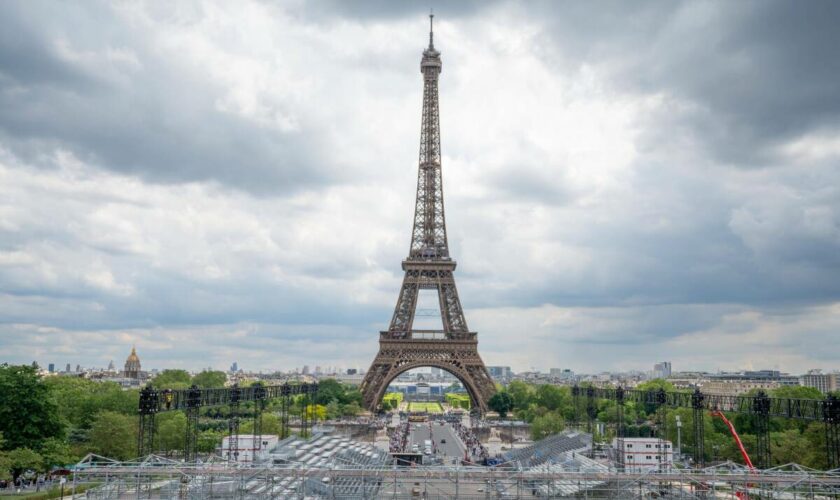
{"x":332,"y":467}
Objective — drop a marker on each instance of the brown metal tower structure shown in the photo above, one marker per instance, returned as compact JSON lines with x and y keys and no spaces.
{"x":429,"y":266}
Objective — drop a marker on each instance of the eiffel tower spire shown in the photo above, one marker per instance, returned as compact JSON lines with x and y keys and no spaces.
{"x":430,"y":267}
{"x":428,"y":239}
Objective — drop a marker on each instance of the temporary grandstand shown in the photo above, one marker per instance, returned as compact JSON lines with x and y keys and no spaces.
{"x":334,"y":467}
{"x":327,"y":452}
{"x":563,"y":452}
{"x":553,"y":449}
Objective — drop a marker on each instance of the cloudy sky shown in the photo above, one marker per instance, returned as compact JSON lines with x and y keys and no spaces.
{"x":234,"y":181}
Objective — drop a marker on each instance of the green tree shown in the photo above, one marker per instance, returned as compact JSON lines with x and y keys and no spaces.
{"x":110,"y":396}
{"x":552,"y":397}
{"x":172,"y":427}
{"x":797,"y":392}
{"x":790,"y":446}
{"x":172,"y":379}
{"x":114,"y":435}
{"x":271,"y":425}
{"x":351,"y":395}
{"x":328,"y":390}
{"x":546,"y":425}
{"x":5,"y":468}
{"x":501,"y":402}
{"x":817,"y":458}
{"x":21,"y":460}
{"x":333,"y":409}
{"x":208,"y":379}
{"x":78,"y":400}
{"x":55,"y":452}
{"x":28,"y":414}
{"x":522,"y":393}
{"x":209,"y":440}
{"x":655,"y":385}
{"x":352,"y":408}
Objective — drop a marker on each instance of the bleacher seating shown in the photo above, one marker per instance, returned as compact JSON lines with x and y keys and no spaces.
{"x":549,"y":449}
{"x":325,"y":452}
{"x":564,"y":452}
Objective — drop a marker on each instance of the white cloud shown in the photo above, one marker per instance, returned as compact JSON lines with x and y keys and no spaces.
{"x":218,"y":181}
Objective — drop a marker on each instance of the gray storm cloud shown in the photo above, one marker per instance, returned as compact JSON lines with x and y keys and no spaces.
{"x":623,"y":183}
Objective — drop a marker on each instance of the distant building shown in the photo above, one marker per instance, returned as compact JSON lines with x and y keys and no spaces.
{"x":132,"y":365}
{"x":234,"y":367}
{"x":111,"y":367}
{"x":51,"y":368}
{"x":662,"y":370}
{"x":741,"y":382}
{"x":67,"y":368}
{"x":561,"y":373}
{"x":824,"y":382}
{"x":305,"y":370}
{"x":502,"y":373}
{"x":644,"y":454}
{"x":737,"y":387}
{"x":350,"y":378}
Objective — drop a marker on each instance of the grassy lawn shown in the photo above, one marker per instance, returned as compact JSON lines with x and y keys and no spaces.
{"x":427,"y":407}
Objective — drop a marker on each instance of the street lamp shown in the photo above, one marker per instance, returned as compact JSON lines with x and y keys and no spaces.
{"x":679,"y":436}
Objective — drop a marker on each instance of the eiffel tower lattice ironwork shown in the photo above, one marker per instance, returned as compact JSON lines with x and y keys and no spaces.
{"x":454,"y":348}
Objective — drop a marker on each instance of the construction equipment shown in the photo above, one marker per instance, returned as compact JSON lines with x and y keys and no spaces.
{"x":742,"y":495}
{"x":719,"y":414}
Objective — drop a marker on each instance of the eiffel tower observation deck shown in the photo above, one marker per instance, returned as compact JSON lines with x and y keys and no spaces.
{"x":429,"y":266}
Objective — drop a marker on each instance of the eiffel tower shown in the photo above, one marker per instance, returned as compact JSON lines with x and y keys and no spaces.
{"x":429,"y":266}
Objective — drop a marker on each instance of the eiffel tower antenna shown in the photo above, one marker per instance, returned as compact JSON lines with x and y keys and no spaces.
{"x":453,"y":348}
{"x":431,"y":29}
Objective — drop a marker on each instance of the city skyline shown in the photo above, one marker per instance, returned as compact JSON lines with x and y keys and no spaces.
{"x":310,"y":368}
{"x":215,"y":183}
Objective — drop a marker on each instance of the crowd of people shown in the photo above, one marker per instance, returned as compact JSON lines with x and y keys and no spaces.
{"x":29,"y":483}
{"x":476,"y":451}
{"x":399,"y":438}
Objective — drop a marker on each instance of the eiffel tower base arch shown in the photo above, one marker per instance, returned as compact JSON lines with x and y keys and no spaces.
{"x":458,"y":357}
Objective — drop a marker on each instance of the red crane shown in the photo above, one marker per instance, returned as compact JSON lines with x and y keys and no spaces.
{"x":719,"y":414}
{"x":743,"y":495}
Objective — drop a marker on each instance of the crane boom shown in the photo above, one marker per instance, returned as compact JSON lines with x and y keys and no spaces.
{"x":719,"y":414}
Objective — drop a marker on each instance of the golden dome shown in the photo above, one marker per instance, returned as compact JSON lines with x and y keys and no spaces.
{"x":132,"y":356}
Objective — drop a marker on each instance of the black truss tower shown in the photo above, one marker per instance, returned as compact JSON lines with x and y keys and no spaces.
{"x":146,"y":428}
{"x":761,"y":411}
{"x":698,"y":408}
{"x":233,"y":424}
{"x":191,"y":400}
{"x":193,"y":404}
{"x":831,"y":417}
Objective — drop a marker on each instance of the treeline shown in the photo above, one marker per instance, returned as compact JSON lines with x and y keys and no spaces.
{"x":549,"y":409}
{"x":48,"y":422}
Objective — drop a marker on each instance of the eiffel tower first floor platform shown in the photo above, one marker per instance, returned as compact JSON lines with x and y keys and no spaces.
{"x":458,"y":357}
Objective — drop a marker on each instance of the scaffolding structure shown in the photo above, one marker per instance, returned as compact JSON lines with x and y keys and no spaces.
{"x":160,"y":478}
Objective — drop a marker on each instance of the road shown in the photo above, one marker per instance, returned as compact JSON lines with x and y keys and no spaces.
{"x":452,"y":448}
